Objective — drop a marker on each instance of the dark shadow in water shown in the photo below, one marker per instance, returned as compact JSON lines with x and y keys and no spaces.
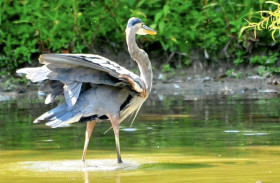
{"x":170,"y":166}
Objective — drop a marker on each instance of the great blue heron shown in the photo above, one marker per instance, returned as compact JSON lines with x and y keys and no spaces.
{"x":95,"y":88}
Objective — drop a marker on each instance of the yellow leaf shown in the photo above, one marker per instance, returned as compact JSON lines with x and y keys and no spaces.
{"x":272,"y":2}
{"x":246,"y":20}
{"x":140,"y":13}
{"x":173,"y":39}
{"x":258,"y":27}
{"x":266,"y":26}
{"x":268,"y":12}
{"x":242,"y":30}
{"x":270,"y":20}
{"x":272,"y":34}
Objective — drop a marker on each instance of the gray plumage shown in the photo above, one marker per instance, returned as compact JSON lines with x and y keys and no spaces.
{"x":94,"y":87}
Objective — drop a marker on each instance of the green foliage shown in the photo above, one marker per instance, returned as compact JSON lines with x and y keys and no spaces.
{"x":261,"y":70}
{"x":8,"y":82}
{"x":168,"y":69}
{"x":29,"y":28}
{"x":269,"y":60}
{"x":230,"y":72}
{"x":269,"y":20}
{"x":187,"y":62}
{"x":200,"y":24}
{"x":239,"y":57}
{"x":267,"y":64}
{"x":233,"y":73}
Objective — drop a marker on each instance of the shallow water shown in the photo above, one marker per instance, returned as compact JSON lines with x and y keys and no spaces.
{"x":175,"y":139}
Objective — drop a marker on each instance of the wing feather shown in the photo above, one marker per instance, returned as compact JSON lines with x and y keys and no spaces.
{"x":72,"y":92}
{"x":54,"y":88}
{"x":95,"y":62}
{"x":67,"y":72}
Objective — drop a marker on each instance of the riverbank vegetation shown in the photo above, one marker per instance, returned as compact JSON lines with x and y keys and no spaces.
{"x":208,"y":29}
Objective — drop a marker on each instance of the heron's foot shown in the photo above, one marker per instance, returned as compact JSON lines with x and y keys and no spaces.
{"x":84,"y":163}
{"x":120,"y":161}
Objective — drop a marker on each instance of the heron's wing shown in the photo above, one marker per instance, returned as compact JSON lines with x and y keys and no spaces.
{"x":71,"y":70}
{"x":54,"y":88}
{"x":95,"y":62}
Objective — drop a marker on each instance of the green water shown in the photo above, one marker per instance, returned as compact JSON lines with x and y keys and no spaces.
{"x":176,"y":139}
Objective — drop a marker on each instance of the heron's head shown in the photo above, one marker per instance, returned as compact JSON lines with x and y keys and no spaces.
{"x":136,"y":25}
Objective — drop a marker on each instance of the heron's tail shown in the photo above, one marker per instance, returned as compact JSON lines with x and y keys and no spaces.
{"x":60,"y":116}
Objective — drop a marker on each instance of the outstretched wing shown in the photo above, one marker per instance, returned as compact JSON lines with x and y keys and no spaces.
{"x":67,"y":72}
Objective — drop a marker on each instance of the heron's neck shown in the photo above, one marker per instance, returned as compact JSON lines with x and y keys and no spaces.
{"x":142,"y":59}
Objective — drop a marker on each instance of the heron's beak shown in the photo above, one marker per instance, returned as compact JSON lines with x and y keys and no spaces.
{"x":146,"y":30}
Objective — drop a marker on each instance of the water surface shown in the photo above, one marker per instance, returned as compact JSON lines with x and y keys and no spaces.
{"x":175,"y":139}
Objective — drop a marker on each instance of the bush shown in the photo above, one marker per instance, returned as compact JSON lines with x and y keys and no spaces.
{"x":29,"y":28}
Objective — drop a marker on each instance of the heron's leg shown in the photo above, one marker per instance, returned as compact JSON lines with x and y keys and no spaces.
{"x":115,"y":120}
{"x":90,"y":126}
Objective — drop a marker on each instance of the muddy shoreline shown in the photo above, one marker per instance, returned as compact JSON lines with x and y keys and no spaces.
{"x":191,"y":88}
{"x":198,"y":80}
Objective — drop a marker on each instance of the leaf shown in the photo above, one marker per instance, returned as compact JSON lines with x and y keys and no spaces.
{"x":266,"y":26}
{"x":259,"y":27}
{"x":158,"y":16}
{"x":140,"y":13}
{"x":174,"y":39}
{"x":242,"y":30}
{"x":264,"y":11}
{"x":272,"y":2}
{"x":139,"y":4}
{"x":21,"y":21}
{"x":131,"y":2}
{"x":161,"y":26}
{"x":165,"y":10}
{"x":272,"y":34}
